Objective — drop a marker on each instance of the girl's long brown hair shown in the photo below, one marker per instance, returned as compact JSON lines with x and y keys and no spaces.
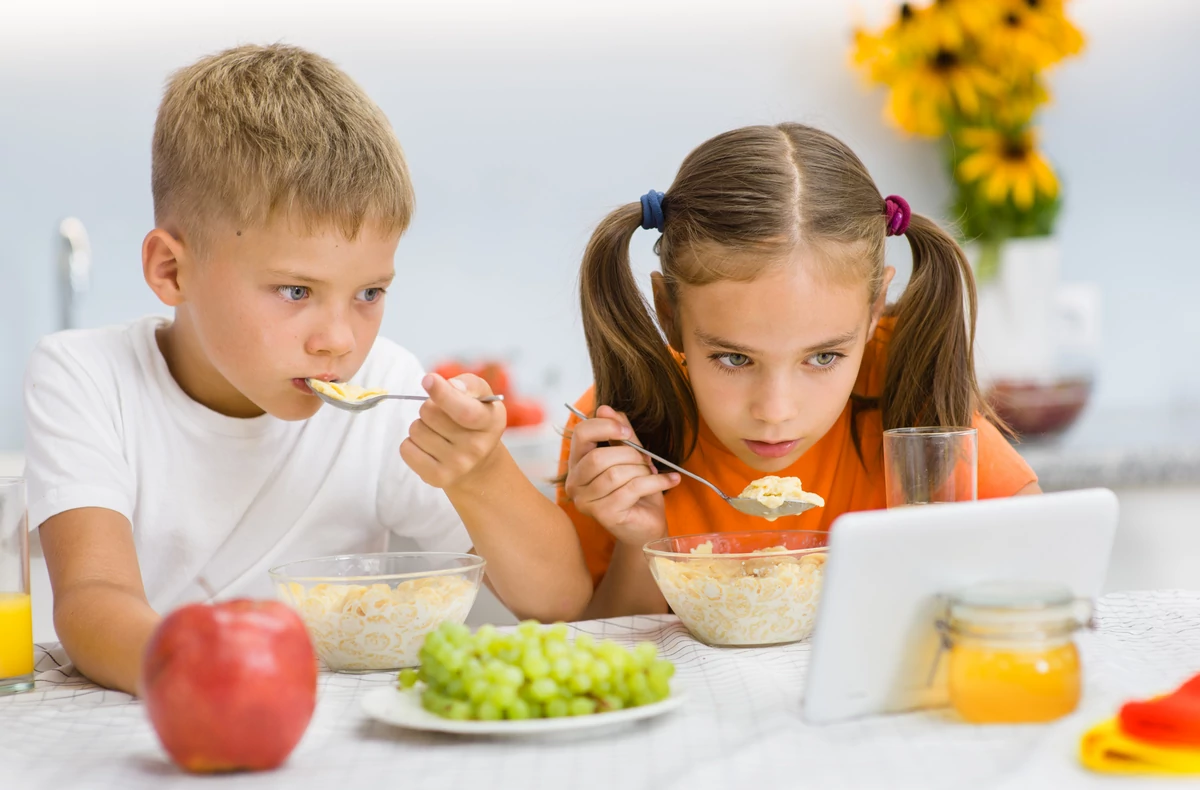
{"x":740,"y":203}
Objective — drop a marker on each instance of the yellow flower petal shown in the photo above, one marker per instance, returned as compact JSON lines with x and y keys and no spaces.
{"x":1023,"y":189}
{"x":981,"y":138}
{"x":964,"y":91}
{"x":1047,"y":182}
{"x":929,"y":122}
{"x":899,"y":110}
{"x":865,"y":47}
{"x":996,"y":188}
{"x":914,"y":111}
{"x":977,"y":165}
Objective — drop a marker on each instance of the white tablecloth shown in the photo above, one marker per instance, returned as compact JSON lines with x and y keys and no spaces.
{"x":740,"y":729}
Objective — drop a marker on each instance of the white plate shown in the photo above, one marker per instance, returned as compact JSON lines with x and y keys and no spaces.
{"x":403,"y":709}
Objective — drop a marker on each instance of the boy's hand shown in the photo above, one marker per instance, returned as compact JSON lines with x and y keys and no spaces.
{"x":455,"y":435}
{"x":616,"y":485}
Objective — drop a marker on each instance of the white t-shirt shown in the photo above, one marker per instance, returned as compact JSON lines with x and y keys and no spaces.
{"x":216,"y":501}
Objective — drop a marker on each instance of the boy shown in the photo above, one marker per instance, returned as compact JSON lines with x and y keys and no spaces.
{"x":173,"y":461}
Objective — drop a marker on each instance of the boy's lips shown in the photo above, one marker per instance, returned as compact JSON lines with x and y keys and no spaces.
{"x":302,"y":384}
{"x":771,"y":449}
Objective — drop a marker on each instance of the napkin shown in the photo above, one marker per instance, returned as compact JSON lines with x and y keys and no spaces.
{"x":1156,"y":736}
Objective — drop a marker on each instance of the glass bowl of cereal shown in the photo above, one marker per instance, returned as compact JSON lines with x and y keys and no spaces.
{"x":742,"y":589}
{"x":371,"y":612}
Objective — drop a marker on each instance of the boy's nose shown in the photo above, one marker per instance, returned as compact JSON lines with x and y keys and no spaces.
{"x":335,"y":338}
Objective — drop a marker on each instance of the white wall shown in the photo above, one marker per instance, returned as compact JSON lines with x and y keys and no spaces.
{"x":526,"y":121}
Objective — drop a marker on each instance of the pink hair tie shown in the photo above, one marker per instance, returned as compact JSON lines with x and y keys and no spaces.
{"x":898,"y":215}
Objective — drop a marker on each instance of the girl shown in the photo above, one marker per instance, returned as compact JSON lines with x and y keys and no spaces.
{"x":780,"y":354}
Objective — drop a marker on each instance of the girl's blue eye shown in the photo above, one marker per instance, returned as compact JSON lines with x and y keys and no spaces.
{"x":734,"y":360}
{"x":371,"y":294}
{"x":293,"y":293}
{"x":825,"y":360}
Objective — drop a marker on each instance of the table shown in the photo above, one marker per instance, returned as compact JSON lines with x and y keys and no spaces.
{"x":1123,"y":448}
{"x":740,"y":729}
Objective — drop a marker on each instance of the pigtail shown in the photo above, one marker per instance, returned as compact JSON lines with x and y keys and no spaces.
{"x":930,"y":378}
{"x":632,"y":365}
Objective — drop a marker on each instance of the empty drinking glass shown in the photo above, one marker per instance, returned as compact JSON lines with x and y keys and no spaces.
{"x":930,"y":466}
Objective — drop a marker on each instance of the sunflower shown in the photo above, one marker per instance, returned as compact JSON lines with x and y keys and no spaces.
{"x":914,"y":34}
{"x":945,"y":81}
{"x":970,"y":16}
{"x":923,"y":31}
{"x":871,"y":55}
{"x":1006,"y":164}
{"x":1026,"y":40}
{"x":881,"y":54}
{"x":1049,"y":18}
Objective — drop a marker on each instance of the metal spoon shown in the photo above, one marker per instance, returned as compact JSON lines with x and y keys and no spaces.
{"x":751,"y":507}
{"x":370,"y":403}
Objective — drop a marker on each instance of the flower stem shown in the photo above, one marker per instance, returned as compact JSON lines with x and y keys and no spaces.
{"x":989,"y":260}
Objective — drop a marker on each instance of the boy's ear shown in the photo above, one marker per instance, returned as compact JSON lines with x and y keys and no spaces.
{"x":881,"y":300}
{"x":162,"y":254}
{"x":666,"y":311}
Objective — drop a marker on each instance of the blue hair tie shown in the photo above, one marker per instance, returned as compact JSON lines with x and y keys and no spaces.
{"x":652,"y":211}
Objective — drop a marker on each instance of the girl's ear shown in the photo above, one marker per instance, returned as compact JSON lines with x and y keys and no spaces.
{"x":666,"y":311}
{"x":877,"y":309}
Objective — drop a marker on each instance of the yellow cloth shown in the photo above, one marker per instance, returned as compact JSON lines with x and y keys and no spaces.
{"x":1106,"y":749}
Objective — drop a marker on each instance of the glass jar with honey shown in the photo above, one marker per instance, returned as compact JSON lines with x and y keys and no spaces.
{"x":1013,"y":657}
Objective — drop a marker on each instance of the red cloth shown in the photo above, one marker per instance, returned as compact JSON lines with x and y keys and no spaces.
{"x":1171,"y":720}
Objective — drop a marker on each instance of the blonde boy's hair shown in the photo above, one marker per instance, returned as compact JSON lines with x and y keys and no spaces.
{"x":255,"y":133}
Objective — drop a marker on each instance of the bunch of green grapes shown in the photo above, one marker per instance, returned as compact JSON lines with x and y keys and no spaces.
{"x":533,"y":673}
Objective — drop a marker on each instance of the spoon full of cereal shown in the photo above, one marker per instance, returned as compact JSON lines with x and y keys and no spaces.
{"x":768,"y":497}
{"x":354,"y":398}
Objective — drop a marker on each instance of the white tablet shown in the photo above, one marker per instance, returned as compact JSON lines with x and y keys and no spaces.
{"x":875,"y":643}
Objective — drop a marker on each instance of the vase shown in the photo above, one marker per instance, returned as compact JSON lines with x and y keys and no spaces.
{"x":1030,"y":330}
{"x":1014,"y":327}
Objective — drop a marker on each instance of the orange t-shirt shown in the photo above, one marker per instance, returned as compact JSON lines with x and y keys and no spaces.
{"x":830,"y":468}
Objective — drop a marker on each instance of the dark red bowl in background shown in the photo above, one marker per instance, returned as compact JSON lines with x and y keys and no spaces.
{"x":1040,"y":408}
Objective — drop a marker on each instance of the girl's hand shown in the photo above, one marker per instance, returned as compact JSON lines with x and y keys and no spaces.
{"x":617,"y":486}
{"x":456,"y":435}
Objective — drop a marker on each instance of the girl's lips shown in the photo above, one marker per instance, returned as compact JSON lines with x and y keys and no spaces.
{"x":771,"y":449}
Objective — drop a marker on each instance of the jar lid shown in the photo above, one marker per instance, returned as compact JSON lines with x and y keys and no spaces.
{"x":1016,"y":608}
{"x":1024,"y":596}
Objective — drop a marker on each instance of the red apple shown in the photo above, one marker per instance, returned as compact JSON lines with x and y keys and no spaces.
{"x":523,"y":413}
{"x":496,"y":375}
{"x":449,"y":370}
{"x":230,"y":686}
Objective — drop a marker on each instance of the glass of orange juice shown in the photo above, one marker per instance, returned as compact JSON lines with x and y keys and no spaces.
{"x":16,"y":617}
{"x":930,"y":466}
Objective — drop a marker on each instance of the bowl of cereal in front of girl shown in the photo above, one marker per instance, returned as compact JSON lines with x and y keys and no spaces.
{"x":742,"y":589}
{"x":371,"y":612}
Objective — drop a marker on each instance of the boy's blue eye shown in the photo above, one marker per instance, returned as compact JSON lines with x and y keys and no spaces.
{"x":733,"y":360}
{"x":293,"y":293}
{"x":825,"y":360}
{"x":371,"y":294}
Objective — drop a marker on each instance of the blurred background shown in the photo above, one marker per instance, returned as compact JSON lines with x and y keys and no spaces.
{"x":525,"y":122}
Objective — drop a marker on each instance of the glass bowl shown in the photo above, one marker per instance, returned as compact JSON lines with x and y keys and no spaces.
{"x":1035,"y":408}
{"x":371,"y":612}
{"x":742,"y":589}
